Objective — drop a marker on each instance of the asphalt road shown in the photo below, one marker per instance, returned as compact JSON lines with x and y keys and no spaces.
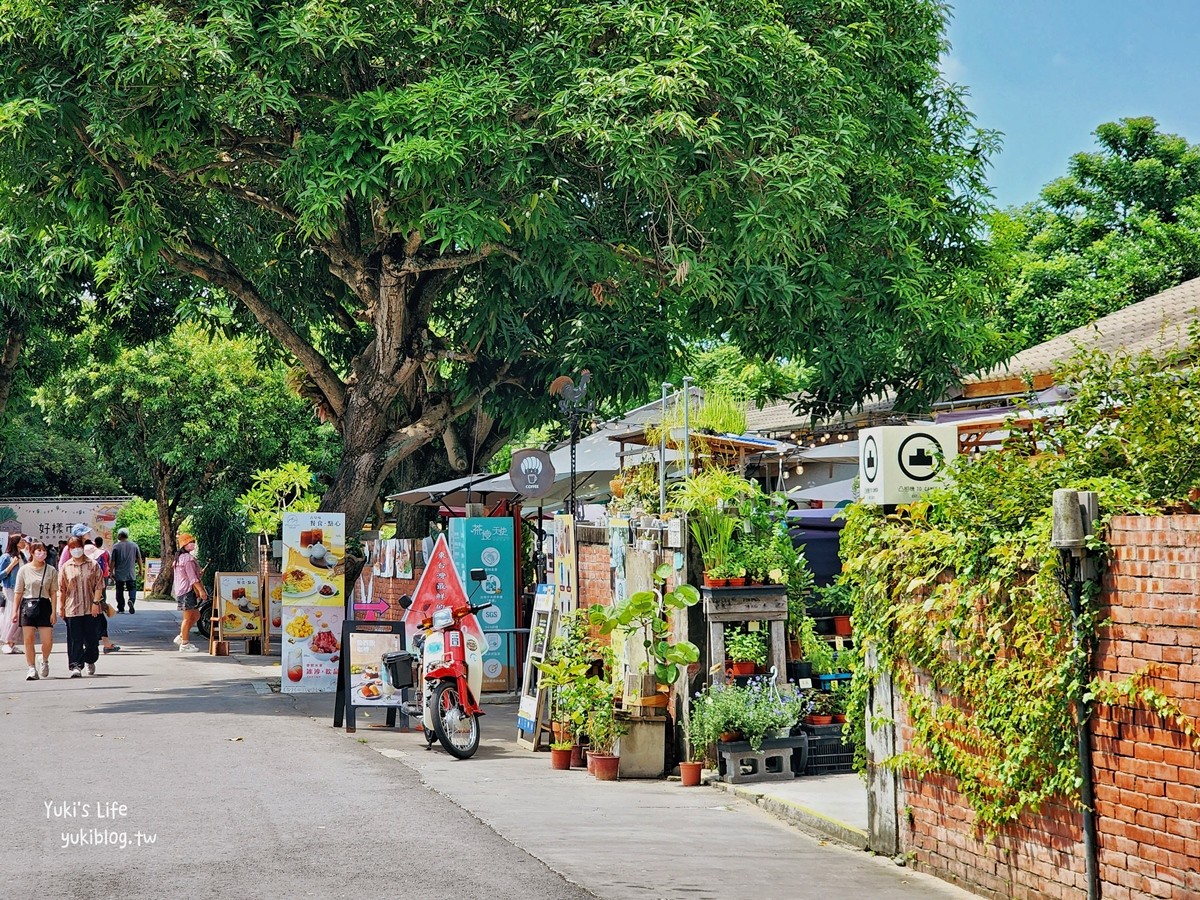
{"x":195,"y":784}
{"x":197,"y":780}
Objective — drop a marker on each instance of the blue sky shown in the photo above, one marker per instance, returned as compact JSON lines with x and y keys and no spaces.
{"x":1047,"y":72}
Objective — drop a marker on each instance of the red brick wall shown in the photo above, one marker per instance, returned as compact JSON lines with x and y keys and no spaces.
{"x":595,"y":574}
{"x":1147,"y":774}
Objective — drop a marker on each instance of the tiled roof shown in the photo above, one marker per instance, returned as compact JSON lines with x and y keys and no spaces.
{"x":1157,"y":325}
{"x":780,"y":416}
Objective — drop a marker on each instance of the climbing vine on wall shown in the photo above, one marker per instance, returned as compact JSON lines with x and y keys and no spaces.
{"x":959,"y":596}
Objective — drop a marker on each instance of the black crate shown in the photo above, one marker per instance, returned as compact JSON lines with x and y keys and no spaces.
{"x":827,"y":755}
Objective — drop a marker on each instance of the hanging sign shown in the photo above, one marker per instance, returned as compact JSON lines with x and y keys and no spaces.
{"x":899,"y":463}
{"x":531,"y":473}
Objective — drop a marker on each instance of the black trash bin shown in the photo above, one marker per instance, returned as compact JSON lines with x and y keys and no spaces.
{"x":396,"y":668}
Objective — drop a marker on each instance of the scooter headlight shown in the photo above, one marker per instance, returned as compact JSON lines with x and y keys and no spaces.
{"x":443,"y":618}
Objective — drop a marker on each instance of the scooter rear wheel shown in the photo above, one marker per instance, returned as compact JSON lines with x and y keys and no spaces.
{"x":458,"y":732}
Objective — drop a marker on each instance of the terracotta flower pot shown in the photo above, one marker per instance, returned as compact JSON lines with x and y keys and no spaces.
{"x":730,"y":737}
{"x":839,"y":719}
{"x":605,"y":767}
{"x":689,"y":773}
{"x":818,"y":720}
{"x":590,"y":762}
{"x":737,"y":582}
{"x":742,"y":668}
{"x":577,"y":757}
{"x":560,"y":759}
{"x":841,"y":626}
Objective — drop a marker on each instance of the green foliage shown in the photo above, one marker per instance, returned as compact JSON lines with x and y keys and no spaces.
{"x":1123,"y":224}
{"x":220,"y":529}
{"x":962,"y":589}
{"x":816,"y":649}
{"x":141,"y":518}
{"x":273,"y":492}
{"x":743,"y":645}
{"x":757,"y":710}
{"x":648,"y":614}
{"x":55,"y":458}
{"x":704,"y":497}
{"x":426,"y":204}
{"x":724,"y":368}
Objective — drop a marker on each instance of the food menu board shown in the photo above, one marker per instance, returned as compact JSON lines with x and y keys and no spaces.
{"x":274,"y":604}
{"x":367,"y":687}
{"x":239,"y":600}
{"x":312,"y":600}
{"x":153,"y":567}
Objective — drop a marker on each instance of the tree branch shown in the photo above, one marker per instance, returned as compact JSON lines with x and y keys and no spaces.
{"x":206,"y":263}
{"x":412,"y":265}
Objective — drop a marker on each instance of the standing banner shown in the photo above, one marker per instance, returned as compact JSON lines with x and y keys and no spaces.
{"x":564,"y":563}
{"x":275,"y":603}
{"x":153,"y":567}
{"x":489,"y":544}
{"x":239,"y":604}
{"x":313,"y":599}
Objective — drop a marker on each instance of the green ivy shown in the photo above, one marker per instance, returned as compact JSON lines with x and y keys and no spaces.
{"x":959,"y":595}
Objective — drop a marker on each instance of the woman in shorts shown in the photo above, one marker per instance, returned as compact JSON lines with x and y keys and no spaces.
{"x":37,"y":580}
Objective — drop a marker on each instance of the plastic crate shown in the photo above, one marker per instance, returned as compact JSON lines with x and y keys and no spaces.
{"x":828,"y":755}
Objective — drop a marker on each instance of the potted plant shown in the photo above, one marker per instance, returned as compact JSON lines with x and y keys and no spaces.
{"x":815,"y":648}
{"x":820,"y":706}
{"x":708,"y":498}
{"x":837,"y":705}
{"x":746,"y":650}
{"x":837,"y":599}
{"x":648,"y":613}
{"x":735,"y":566}
{"x":603,"y":730}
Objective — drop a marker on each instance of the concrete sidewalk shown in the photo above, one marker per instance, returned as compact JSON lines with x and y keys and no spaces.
{"x":645,"y":838}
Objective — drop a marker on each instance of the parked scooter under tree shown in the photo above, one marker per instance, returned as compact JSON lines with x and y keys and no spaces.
{"x":451,"y":645}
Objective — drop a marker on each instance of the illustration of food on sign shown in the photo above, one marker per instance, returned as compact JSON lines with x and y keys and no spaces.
{"x":324,"y":642}
{"x":297,"y":581}
{"x":300,"y":628}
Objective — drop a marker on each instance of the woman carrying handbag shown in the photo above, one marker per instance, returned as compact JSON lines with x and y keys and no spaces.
{"x":10,"y":564}
{"x":33,"y":607}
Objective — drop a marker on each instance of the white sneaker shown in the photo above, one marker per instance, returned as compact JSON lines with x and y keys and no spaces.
{"x":91,"y":667}
{"x":33,"y":675}
{"x":178,"y":640}
{"x":77,"y":673}
{"x":7,"y":650}
{"x":45,"y":668}
{"x":188,"y":648}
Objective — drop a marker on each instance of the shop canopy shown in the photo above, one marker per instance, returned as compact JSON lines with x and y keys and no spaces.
{"x":832,"y":492}
{"x":457,"y":492}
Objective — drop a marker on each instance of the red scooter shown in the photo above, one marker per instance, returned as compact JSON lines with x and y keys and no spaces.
{"x":451,"y":644}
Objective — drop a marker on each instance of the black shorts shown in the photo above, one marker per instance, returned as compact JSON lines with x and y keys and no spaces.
{"x":189,"y":601}
{"x":42,"y":619}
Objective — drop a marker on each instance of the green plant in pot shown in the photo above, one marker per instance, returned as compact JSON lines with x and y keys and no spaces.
{"x":708,"y":498}
{"x":816,"y":649}
{"x":648,"y":613}
{"x":604,"y":729}
{"x":746,"y":649}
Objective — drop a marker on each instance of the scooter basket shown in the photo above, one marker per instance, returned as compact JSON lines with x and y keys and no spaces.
{"x":397,"y":668}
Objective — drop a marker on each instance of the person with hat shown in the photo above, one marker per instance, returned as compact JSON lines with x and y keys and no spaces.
{"x":128,"y":565}
{"x":79,"y":530}
{"x":187,"y":590}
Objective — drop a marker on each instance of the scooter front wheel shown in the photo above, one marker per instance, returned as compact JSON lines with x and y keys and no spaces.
{"x":458,"y":732}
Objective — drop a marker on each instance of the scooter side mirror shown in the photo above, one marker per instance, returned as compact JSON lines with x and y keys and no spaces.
{"x":478,"y":575}
{"x":405,"y":601}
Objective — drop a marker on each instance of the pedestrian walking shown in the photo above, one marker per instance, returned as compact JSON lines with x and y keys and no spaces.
{"x":188,"y":590}
{"x":101,"y":625}
{"x":80,"y":530}
{"x":128,"y":565}
{"x":33,"y":602}
{"x":80,"y":595}
{"x":10,"y":565}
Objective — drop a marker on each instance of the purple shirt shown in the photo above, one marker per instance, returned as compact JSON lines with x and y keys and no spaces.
{"x":186,"y":572}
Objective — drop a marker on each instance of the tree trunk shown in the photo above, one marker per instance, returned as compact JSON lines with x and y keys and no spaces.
{"x":167,"y":527}
{"x":13,"y":344}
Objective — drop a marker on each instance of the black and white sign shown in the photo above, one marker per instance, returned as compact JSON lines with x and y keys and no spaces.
{"x":532,"y":473}
{"x":897,"y":464}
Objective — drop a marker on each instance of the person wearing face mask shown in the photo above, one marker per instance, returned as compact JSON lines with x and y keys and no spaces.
{"x":10,"y":564}
{"x":33,"y":607}
{"x":187,"y":590}
{"x":80,"y":599}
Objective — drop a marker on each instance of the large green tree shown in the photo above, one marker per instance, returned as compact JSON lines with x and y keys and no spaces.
{"x":1121,"y":225}
{"x":436,"y":207}
{"x":184,"y":416}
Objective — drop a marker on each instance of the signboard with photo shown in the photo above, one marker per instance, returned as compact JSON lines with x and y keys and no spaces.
{"x":239,"y":604}
{"x":363,"y":679}
{"x":274,"y":604}
{"x":312,"y":599}
{"x":153,"y":567}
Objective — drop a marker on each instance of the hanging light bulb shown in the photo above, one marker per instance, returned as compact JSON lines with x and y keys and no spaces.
{"x":824,"y":438}
{"x":842,"y":437}
{"x":799,"y":470}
